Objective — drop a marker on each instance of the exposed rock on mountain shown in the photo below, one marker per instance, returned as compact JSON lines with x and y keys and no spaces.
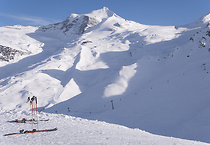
{"x":8,"y":53}
{"x":78,"y":24}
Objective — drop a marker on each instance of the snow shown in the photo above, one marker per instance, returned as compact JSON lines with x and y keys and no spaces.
{"x":155,"y":77}
{"x":72,"y":130}
{"x":206,"y":18}
{"x":16,"y":38}
{"x":120,"y":85}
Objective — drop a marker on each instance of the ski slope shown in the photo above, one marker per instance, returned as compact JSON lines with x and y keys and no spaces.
{"x":72,"y":130}
{"x":99,"y":66}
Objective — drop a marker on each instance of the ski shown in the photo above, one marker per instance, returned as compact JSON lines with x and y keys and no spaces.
{"x":33,"y":131}
{"x":26,"y":120}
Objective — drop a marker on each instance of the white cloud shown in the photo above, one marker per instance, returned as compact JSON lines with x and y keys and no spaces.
{"x":29,"y":20}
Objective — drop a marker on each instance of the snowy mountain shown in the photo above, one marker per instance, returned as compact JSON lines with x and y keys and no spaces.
{"x":99,"y":66}
{"x":78,"y":24}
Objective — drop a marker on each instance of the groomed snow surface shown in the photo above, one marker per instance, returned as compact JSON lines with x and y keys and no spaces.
{"x":99,"y":66}
{"x":72,"y":130}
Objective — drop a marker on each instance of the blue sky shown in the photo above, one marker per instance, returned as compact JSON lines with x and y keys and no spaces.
{"x":149,"y":12}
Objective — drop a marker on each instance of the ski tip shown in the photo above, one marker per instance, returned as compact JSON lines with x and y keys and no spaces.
{"x":54,"y":129}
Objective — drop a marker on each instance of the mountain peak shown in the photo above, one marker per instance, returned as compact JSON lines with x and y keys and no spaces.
{"x":206,"y":18}
{"x":202,"y":22}
{"x":101,"y":13}
{"x":77,"y":24}
{"x":105,"y":8}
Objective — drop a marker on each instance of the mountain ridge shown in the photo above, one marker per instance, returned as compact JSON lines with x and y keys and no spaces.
{"x":78,"y":24}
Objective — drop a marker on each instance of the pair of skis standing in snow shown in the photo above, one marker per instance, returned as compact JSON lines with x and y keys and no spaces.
{"x":33,"y":107}
{"x":34,"y":112}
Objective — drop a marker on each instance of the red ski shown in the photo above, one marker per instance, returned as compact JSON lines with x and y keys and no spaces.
{"x":33,"y":131}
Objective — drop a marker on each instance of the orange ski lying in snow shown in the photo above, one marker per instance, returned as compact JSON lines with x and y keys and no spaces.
{"x":33,"y":131}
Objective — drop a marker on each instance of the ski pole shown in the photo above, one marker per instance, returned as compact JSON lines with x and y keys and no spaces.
{"x":36,"y":112}
{"x":32,"y":113}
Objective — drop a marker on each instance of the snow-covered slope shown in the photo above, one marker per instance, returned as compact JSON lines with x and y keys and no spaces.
{"x":15,"y":44}
{"x":72,"y":131}
{"x":101,"y":66}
